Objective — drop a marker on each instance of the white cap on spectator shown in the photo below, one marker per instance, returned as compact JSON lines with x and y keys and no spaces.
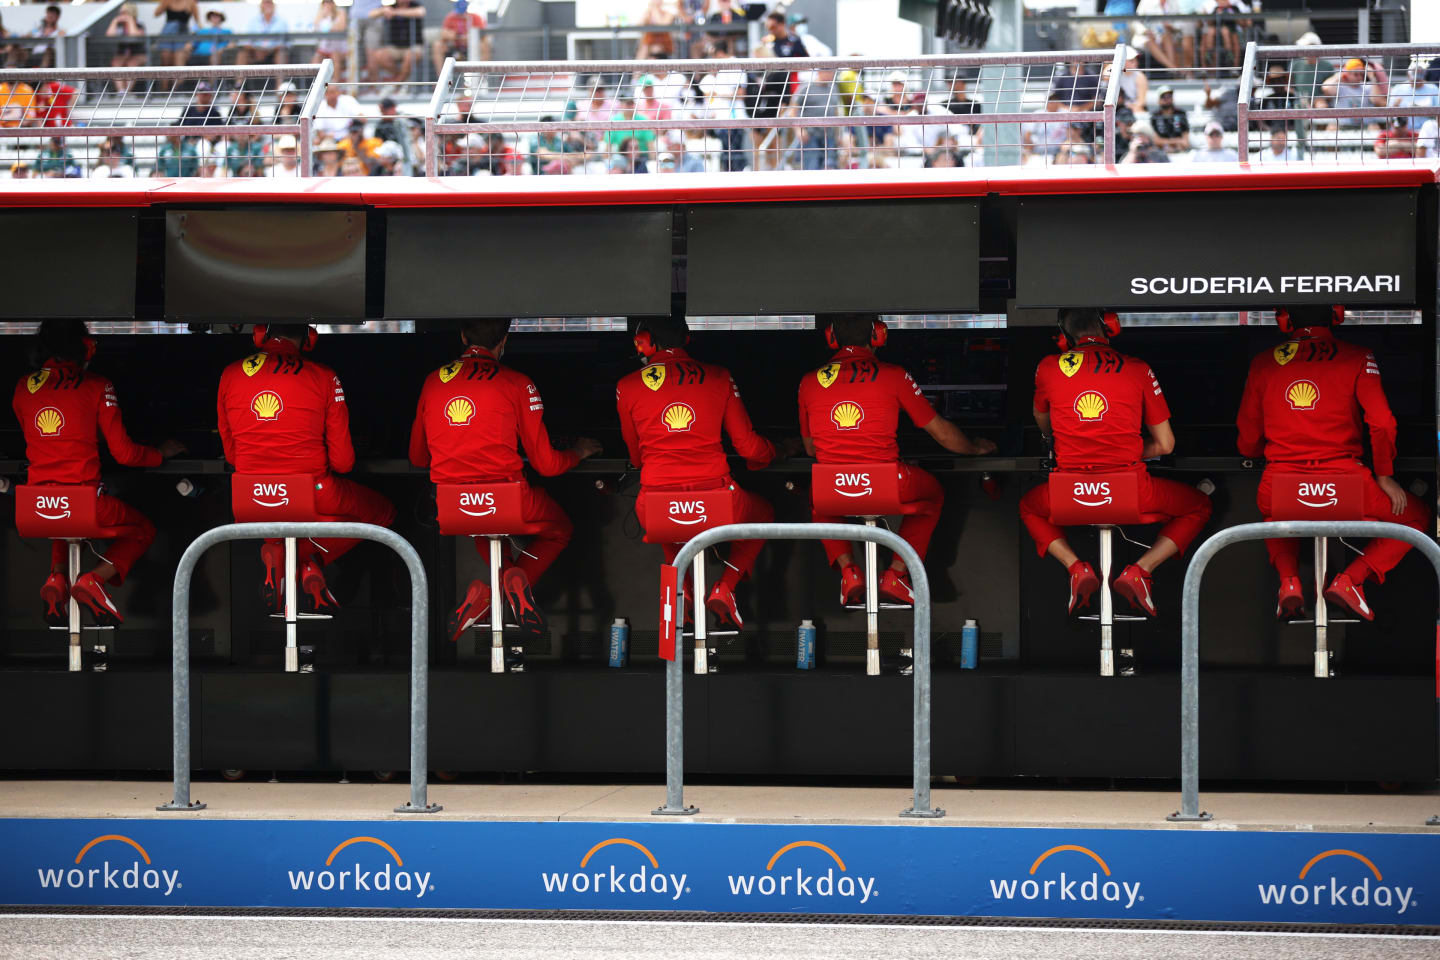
{"x":287,"y":87}
{"x":286,"y":142}
{"x":1131,"y":53}
{"x":1213,"y":127}
{"x":899,"y":76}
{"x":390,"y":150}
{"x":471,"y":141}
{"x":1308,"y":39}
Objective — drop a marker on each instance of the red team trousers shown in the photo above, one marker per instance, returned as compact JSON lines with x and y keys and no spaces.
{"x":537,"y":507}
{"x":344,"y":500}
{"x":748,"y":508}
{"x":131,"y":532}
{"x":1183,"y":508}
{"x":918,"y":489}
{"x":1380,"y":556}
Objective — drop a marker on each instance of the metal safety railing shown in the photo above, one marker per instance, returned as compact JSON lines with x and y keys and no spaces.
{"x":1190,"y":626}
{"x":635,"y":116}
{"x":419,"y":645}
{"x":675,"y":669}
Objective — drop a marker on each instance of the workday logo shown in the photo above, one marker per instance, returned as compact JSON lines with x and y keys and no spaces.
{"x":1068,"y":886}
{"x":1334,"y":885}
{"x":806,"y":879}
{"x":636,"y":877}
{"x":350,"y":874}
{"x":112,"y":868}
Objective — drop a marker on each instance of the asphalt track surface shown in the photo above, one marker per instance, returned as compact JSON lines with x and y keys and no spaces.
{"x":40,"y":937}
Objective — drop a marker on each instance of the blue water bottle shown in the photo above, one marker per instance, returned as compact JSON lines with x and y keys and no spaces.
{"x":805,"y":646}
{"x":619,"y":643}
{"x":969,"y":645}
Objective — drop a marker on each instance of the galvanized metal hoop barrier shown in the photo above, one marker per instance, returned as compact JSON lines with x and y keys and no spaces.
{"x":674,"y":670}
{"x":1190,"y":627}
{"x":419,"y":644}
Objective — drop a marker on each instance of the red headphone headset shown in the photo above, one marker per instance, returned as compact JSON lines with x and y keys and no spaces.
{"x":879,"y":334}
{"x":91,"y":345}
{"x":1112,"y":329}
{"x":645,"y":344}
{"x":1286,"y":325}
{"x":262,"y":334}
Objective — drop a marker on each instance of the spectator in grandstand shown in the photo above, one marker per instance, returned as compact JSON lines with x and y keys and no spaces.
{"x":264,"y":51}
{"x":1092,"y":402}
{"x":875,"y":393}
{"x":16,"y":101}
{"x":1278,"y":149}
{"x":1124,"y":130}
{"x":1170,"y":44}
{"x":453,"y":39}
{"x":12,"y":55}
{"x":690,"y":157}
{"x":177,"y":157}
{"x":56,"y":160}
{"x":242,"y":107}
{"x":178,"y":14}
{"x":767,"y":92}
{"x":1077,"y":86}
{"x":958,"y":100}
{"x":201,"y":109}
{"x":1143,"y":148}
{"x":1416,"y":91}
{"x":1171,"y":125}
{"x":290,"y":105}
{"x":1306,"y":73}
{"x":556,"y":153}
{"x":287,"y":159}
{"x":371,"y":25}
{"x":397,"y":129}
{"x":211,"y":51}
{"x":629,"y":157}
{"x":724,"y":92}
{"x":1275,"y":93}
{"x":660,"y":44}
{"x":352,"y":167}
{"x":648,"y":102}
{"x":327,"y":155}
{"x":111,"y":163}
{"x":1134,"y":85}
{"x":123,"y":31}
{"x":53,"y":101}
{"x":1044,"y":136}
{"x":43,"y":54}
{"x":337,"y":110}
{"x":1224,"y":106}
{"x":1222,"y":31}
{"x":356,"y":144}
{"x":1075,"y":152}
{"x":1215,"y":150}
{"x":1321,"y":431}
{"x":1428,"y":144}
{"x":244,"y":154}
{"x":820,"y":98}
{"x":673,"y":413}
{"x":1397,"y":141}
{"x":389,"y":156}
{"x":306,"y":431}
{"x":473,"y":417}
{"x":332,"y":20}
{"x":393,"y":62}
{"x":63,"y":410}
{"x":1356,"y":84}
{"x":19,"y":171}
{"x":644,"y":139}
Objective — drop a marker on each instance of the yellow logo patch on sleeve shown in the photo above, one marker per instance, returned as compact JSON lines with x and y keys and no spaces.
{"x":1070,"y":363}
{"x":827,"y":374}
{"x":1286,"y":352}
{"x":653,"y":376}
{"x":37,"y":379}
{"x":254,"y":363}
{"x":449,"y":371}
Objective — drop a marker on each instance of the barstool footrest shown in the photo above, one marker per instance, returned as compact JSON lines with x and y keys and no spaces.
{"x":1308,"y":620}
{"x":883,"y":606}
{"x":1117,"y":618}
{"x":87,"y":628}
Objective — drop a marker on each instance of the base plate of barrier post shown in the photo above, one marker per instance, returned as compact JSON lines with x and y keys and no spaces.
{"x":933,"y":814}
{"x":685,"y":811}
{"x":407,"y":807}
{"x":1433,"y":821}
{"x":1178,"y":817}
{"x":173,"y":807}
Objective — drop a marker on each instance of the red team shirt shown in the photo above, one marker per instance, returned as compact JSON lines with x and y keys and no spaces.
{"x":851,"y":407}
{"x":470,"y":412}
{"x":282,"y":413}
{"x":62,"y":410}
{"x":1305,"y":401}
{"x":672,"y":414}
{"x":1097,"y":399}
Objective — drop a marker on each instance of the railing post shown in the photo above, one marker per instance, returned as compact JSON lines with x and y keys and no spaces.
{"x":444,"y":85}
{"x":1242,"y":107}
{"x":1112,"y":97}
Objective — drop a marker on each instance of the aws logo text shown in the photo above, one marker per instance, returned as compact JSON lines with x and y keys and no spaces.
{"x":270,"y":494}
{"x":111,"y":875}
{"x":1080,"y":887}
{"x":358,"y":879}
{"x":617,"y":880}
{"x":484,"y":502}
{"x":805,"y":882}
{"x":687,"y":512}
{"x":58,"y":508}
{"x":1315,"y":491}
{"x":1092,"y":494}
{"x":1336,"y":894}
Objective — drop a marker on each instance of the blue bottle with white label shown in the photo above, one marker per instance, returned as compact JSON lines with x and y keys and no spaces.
{"x":805,"y":646}
{"x":969,"y":645}
{"x":619,"y":643}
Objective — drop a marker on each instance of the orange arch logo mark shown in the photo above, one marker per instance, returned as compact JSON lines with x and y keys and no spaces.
{"x":379,"y":843}
{"x":1341,"y":853}
{"x":1069,"y":846}
{"x":625,"y":842}
{"x":111,"y":836}
{"x":805,"y":843}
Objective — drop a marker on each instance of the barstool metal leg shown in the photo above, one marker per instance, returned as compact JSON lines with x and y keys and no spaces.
{"x":702,"y":648}
{"x":497,"y":617}
{"x":1107,"y":608}
{"x":872,"y":605}
{"x":73,"y":565}
{"x":1322,"y":613}
{"x":292,"y":606}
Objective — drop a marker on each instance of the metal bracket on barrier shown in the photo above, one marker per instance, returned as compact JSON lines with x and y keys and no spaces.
{"x":419,"y":645}
{"x":1190,"y":626}
{"x":674,"y":670}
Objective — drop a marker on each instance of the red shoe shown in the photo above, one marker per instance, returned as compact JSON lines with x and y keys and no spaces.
{"x":91,"y":594}
{"x":272,"y":590}
{"x":1083,"y":584}
{"x":1349,"y":594}
{"x":318,"y":598}
{"x":895,"y":587}
{"x":1291,"y":603}
{"x":471,"y":610}
{"x":1134,"y":585}
{"x":522,"y":602}
{"x":55,"y":595}
{"x":721,"y":602}
{"x":852,"y":585}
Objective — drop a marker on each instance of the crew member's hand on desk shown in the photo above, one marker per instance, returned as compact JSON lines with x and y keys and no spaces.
{"x":586,"y":447}
{"x":172,"y":448}
{"x":789,"y":447}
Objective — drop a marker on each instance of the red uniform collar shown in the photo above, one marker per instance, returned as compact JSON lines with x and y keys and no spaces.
{"x":845,"y":353}
{"x":280,"y":345}
{"x":56,"y":363}
{"x":472,"y":352}
{"x":1314,"y":333}
{"x":1091,"y":342}
{"x":669,"y":353}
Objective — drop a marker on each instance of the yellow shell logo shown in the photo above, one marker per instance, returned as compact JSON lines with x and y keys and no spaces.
{"x":448,"y":372}
{"x":847,"y":415}
{"x":653,"y":376}
{"x":49,"y":421}
{"x":459,"y":411}
{"x":37,"y":379}
{"x":1070,"y":363}
{"x":267,"y":405}
{"x":1286,"y":352}
{"x":827,"y":374}
{"x":678,"y":417}
{"x":1302,"y":395}
{"x":1091,"y":405}
{"x":254,"y":363}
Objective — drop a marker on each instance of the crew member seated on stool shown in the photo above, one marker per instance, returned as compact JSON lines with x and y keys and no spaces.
{"x":282,"y":413}
{"x":1093,"y":401}
{"x":61,"y":408}
{"x":1302,"y":409}
{"x":672,"y":414}
{"x":849,"y":411}
{"x":471,"y":412}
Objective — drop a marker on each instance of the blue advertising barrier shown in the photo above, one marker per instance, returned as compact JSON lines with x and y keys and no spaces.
{"x":917,"y":870}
